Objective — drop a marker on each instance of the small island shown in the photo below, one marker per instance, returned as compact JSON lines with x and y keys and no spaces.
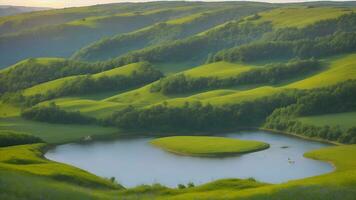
{"x":207,"y":146}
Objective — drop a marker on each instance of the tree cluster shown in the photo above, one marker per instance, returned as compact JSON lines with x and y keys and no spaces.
{"x":53,"y":114}
{"x":324,"y":38}
{"x":334,"y":99}
{"x":9,"y":138}
{"x":199,"y":117}
{"x":32,"y":72}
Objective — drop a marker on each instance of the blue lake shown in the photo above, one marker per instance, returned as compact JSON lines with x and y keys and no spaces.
{"x":134,"y":161}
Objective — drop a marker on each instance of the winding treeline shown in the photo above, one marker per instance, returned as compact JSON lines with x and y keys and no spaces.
{"x":231,"y":34}
{"x":35,"y":71}
{"x":53,"y":114}
{"x":10,"y":138}
{"x":161,"y":32}
{"x":334,"y":99}
{"x":270,"y":74}
{"x":196,"y":116}
{"x":325,"y":38}
{"x":90,"y":84}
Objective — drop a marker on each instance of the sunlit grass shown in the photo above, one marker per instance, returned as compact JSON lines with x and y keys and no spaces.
{"x":207,"y":146}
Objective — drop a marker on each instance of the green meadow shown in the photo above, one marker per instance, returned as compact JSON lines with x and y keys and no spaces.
{"x":344,"y":120}
{"x":207,"y":146}
{"x":58,"y":133}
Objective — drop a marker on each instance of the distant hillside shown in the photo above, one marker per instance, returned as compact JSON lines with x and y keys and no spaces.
{"x":13,"y":10}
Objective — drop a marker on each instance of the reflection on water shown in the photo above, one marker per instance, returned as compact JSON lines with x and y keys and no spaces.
{"x":133,"y":161}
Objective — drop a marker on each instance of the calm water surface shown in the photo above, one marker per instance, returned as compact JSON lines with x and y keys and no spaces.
{"x":134,"y":161}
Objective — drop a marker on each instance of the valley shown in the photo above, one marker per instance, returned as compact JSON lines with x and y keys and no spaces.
{"x":179,"y":100}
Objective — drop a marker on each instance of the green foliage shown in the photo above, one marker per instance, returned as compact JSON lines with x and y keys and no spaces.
{"x":162,"y":32}
{"x":340,"y":98}
{"x":34,"y":71}
{"x":53,"y":114}
{"x":325,"y":38}
{"x":345,"y":119}
{"x":63,"y":39}
{"x":123,"y":78}
{"x":195,"y":116}
{"x":228,"y":35}
{"x":59,"y":133}
{"x":9,"y":138}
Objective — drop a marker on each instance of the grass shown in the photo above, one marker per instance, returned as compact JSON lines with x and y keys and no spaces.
{"x":28,"y":158}
{"x":300,"y":16}
{"x":55,"y":133}
{"x":219,"y":70}
{"x":38,"y":61}
{"x":43,"y":88}
{"x":169,"y":68}
{"x":8,"y":110}
{"x":339,"y":184}
{"x":88,"y":107}
{"x":28,"y":175}
{"x":205,"y":146}
{"x":344,"y":120}
{"x":340,"y":69}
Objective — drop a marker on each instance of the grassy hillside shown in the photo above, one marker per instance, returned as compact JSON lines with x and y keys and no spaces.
{"x":344,"y":120}
{"x":58,"y":83}
{"x":340,"y":69}
{"x":219,"y":70}
{"x":93,"y":108}
{"x":159,"y":33}
{"x":301,"y":16}
{"x":13,"y":10}
{"x":64,"y":39}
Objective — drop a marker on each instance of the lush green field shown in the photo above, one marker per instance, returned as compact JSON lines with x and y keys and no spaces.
{"x":300,"y":16}
{"x":92,"y":108}
{"x":344,"y":120}
{"x":219,"y":70}
{"x":207,"y":146}
{"x":340,"y":68}
{"x":55,"y":133}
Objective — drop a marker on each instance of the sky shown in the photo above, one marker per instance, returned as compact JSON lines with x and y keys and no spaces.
{"x":71,"y":3}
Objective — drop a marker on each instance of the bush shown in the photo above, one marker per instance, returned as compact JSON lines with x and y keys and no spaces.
{"x":8,"y":138}
{"x":53,"y":114}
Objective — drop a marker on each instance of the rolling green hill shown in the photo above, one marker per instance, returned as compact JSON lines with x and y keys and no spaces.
{"x":177,"y":68}
{"x":159,"y":33}
{"x":49,"y":40}
{"x":300,"y":16}
{"x":58,"y":83}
